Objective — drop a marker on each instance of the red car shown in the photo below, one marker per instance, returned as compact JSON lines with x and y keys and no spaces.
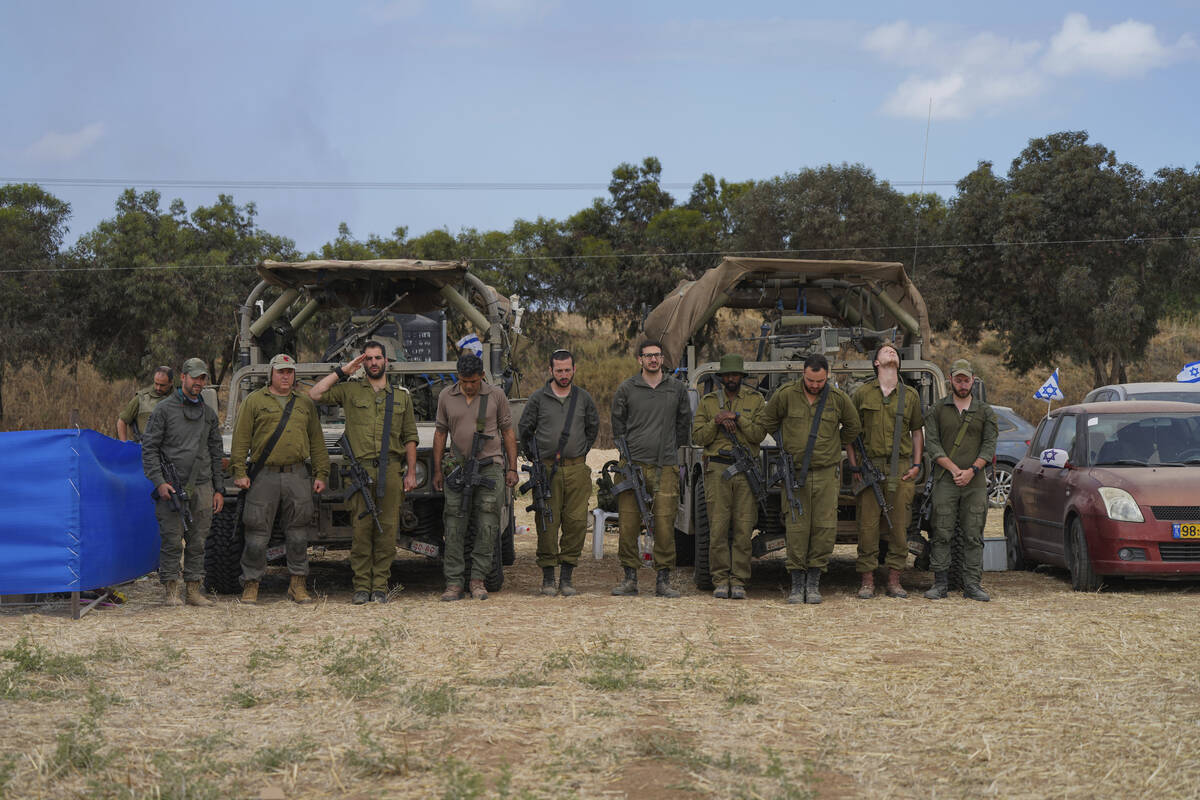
{"x":1109,"y":489}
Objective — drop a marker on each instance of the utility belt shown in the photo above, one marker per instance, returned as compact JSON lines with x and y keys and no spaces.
{"x":718,"y":460}
{"x":299,"y":467}
{"x":565,"y":462}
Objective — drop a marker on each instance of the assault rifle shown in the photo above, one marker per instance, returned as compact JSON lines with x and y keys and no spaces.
{"x":925,"y":513}
{"x":635,"y":480}
{"x":785,"y":477}
{"x":179,"y":497}
{"x":361,"y":482}
{"x":872,"y":478}
{"x":466,"y":476}
{"x":539,"y":483}
{"x":745,"y":464}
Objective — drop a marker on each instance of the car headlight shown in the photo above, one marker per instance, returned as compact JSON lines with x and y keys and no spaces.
{"x":1120,"y":505}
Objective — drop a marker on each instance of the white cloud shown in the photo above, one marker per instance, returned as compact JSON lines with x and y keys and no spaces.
{"x":1127,"y":49}
{"x":54,"y":146}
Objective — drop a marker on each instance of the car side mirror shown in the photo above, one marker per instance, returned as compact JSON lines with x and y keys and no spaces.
{"x":1054,"y":458}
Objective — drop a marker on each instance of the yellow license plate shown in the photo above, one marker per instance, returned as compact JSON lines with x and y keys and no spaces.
{"x":1186,"y":530}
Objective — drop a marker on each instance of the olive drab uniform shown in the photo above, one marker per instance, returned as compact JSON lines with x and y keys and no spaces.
{"x":732,"y":506}
{"x":965,"y":438}
{"x":879,"y":415}
{"x":137,"y":411}
{"x":283,"y":486}
{"x":372,"y":551}
{"x":810,"y":539}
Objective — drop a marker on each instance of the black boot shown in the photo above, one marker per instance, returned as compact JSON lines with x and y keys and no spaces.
{"x":629,"y":585}
{"x":565,"y":587}
{"x":797,"y":595}
{"x":662,"y":587}
{"x":941,"y":585}
{"x":812,"y":586}
{"x":973,"y":591}
{"x":548,"y":582}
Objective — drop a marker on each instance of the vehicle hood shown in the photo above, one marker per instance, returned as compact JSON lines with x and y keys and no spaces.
{"x":1153,"y":486}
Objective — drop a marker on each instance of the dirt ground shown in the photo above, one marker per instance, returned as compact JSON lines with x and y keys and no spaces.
{"x":1042,"y":692}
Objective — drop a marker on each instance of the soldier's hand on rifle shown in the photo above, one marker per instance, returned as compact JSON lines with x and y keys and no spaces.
{"x":218,"y":502}
{"x":912,"y":473}
{"x":165,"y":490}
{"x":242,"y":483}
{"x":726,"y":419}
{"x":318,"y":486}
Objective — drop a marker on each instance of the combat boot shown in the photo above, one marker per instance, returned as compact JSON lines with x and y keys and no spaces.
{"x":250,"y":593}
{"x":548,"y":582}
{"x":195,"y":595}
{"x":721,"y":592}
{"x":172,"y":593}
{"x":867,"y":590}
{"x":812,"y":586}
{"x":453,"y":592}
{"x":941,"y":585}
{"x":737,"y":592}
{"x":628,"y":586}
{"x":478,"y":592}
{"x":297,"y":590}
{"x":662,"y":587}
{"x":797,"y":595}
{"x":565,"y":587}
{"x":894,"y":589}
{"x":973,"y":591}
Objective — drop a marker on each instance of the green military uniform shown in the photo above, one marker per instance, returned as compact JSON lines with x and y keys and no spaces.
{"x":545,"y":416}
{"x":372,"y":552}
{"x":878,"y":415}
{"x":188,"y":435}
{"x":965,"y":438}
{"x":458,"y":418}
{"x":136,"y":413}
{"x":810,"y":539}
{"x":283,"y":484}
{"x":731,"y":503}
{"x":655,"y":423}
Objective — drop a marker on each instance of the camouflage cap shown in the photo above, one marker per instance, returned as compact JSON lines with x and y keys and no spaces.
{"x":961,"y":367}
{"x":283,"y":361}
{"x":194,"y":368}
{"x":732,"y":363}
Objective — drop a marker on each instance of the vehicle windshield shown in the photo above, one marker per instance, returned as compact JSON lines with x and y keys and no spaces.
{"x":1140,"y":440}
{"x":1175,"y":397}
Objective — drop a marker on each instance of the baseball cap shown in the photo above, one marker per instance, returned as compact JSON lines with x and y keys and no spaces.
{"x":961,"y":367}
{"x":283,"y":361}
{"x":195,"y":367}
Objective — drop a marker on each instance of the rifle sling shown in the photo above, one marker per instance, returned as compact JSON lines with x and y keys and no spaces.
{"x":566,"y":433}
{"x":812,"y":436}
{"x":257,"y":466}
{"x":897,"y":432}
{"x":385,"y":444}
{"x":958,"y":437}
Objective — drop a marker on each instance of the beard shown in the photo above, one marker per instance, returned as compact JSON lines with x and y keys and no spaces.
{"x":961,"y":393}
{"x":564,"y":382}
{"x":732,"y":385}
{"x":375,"y":370}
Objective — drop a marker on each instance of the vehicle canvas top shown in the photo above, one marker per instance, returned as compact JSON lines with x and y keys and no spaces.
{"x":780,"y":280}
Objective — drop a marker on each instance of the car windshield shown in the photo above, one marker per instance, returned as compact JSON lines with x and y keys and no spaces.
{"x":1175,"y":397}
{"x":1140,"y":440}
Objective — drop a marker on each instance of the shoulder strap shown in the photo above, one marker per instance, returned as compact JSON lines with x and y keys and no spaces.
{"x":962,"y":430}
{"x":257,"y":466}
{"x":385,"y":447}
{"x":897,"y":430}
{"x":566,"y":431}
{"x":812,"y":434}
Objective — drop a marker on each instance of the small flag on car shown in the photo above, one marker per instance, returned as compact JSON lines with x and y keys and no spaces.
{"x":1049,"y":390}
{"x":1190,"y":373}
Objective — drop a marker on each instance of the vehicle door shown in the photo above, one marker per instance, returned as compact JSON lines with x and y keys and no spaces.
{"x":1049,"y":494}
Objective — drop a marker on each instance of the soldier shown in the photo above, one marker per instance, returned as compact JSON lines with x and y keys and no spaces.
{"x":818,"y":422}
{"x":732,"y":411}
{"x":374,"y":410}
{"x":279,"y":429}
{"x":891,"y":424}
{"x":961,"y":433}
{"x":565,"y":422}
{"x":131,"y":422}
{"x":185,"y":433}
{"x":652,"y":413}
{"x":471,"y":405}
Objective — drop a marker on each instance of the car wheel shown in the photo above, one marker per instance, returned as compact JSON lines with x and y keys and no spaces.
{"x":702,"y":573}
{"x":1000,"y":484}
{"x":223,"y":550}
{"x":1083,"y":577}
{"x":1012,"y":543}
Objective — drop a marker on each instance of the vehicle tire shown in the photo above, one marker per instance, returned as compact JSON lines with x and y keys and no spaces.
{"x":508,"y":546}
{"x":494,"y":580}
{"x":954,"y":574}
{"x":1079,"y":562}
{"x":1015,"y":556}
{"x":1000,"y":484}
{"x":702,"y":569}
{"x":223,"y":551}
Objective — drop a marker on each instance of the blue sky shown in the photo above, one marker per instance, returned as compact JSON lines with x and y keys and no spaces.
{"x":551,"y":91}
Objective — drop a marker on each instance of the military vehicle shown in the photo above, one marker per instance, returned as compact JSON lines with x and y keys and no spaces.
{"x":368,"y":299}
{"x":841,"y":309}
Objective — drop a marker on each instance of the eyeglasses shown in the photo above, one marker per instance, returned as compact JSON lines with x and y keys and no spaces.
{"x":651,"y":355}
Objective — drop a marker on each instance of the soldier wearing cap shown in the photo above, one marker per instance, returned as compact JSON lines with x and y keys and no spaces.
{"x":960,"y":434}
{"x":131,"y":422}
{"x":372,"y":407}
{"x":732,"y":411}
{"x":184,"y":431}
{"x":281,"y":484}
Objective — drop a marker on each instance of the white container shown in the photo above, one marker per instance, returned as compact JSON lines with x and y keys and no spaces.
{"x":995,"y":554}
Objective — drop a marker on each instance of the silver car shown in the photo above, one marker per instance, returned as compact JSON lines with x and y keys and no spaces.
{"x":1161,"y":390}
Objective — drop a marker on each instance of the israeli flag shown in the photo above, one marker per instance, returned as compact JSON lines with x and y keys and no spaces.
{"x":470,"y":343}
{"x":1190,"y":373}
{"x":1049,"y":390}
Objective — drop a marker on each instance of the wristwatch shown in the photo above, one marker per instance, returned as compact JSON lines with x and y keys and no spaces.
{"x":975,"y":469}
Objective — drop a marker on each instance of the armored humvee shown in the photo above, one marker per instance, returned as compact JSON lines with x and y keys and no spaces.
{"x":841,"y":309}
{"x":372,"y":300}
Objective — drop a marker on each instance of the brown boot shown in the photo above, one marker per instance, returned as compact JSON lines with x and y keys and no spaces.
{"x":172,"y":594}
{"x":867,"y":590}
{"x":195,"y":595}
{"x":453,"y":592}
{"x":250,"y":593}
{"x":894,"y":589}
{"x":477,"y":591}
{"x":297,"y":590}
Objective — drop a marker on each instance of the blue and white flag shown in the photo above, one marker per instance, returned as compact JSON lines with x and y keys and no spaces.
{"x":1049,"y":390}
{"x":1190,"y":373}
{"x":470,"y":343}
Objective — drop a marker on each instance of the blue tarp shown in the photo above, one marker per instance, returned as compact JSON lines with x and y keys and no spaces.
{"x":75,"y":512}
